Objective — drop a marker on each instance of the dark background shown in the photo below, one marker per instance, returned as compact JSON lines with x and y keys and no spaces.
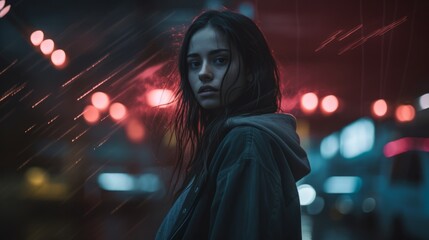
{"x":110,"y":46}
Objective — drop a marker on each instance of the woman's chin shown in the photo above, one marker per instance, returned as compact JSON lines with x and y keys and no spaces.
{"x":210,"y":104}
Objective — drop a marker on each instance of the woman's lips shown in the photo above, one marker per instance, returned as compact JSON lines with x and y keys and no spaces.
{"x":207,"y":90}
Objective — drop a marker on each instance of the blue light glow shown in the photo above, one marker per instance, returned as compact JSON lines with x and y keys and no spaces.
{"x":116,"y":181}
{"x":357,"y":138}
{"x":342,"y":184}
{"x":149,"y":182}
{"x":329,"y":146}
{"x":307,"y":194}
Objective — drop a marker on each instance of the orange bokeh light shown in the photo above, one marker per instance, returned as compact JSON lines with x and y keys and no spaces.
{"x":47,"y":46}
{"x":37,"y":37}
{"x":91,"y":114}
{"x":379,"y":108}
{"x":100,"y":100}
{"x":309,"y":102}
{"x":135,"y":130}
{"x":329,"y":104}
{"x":405,"y":113}
{"x":58,"y":57}
{"x":117,"y":111}
{"x":159,"y":98}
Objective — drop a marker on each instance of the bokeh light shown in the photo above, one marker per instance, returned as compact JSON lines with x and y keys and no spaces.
{"x":58,"y":57}
{"x":159,"y":98}
{"x":424,"y":101}
{"x":307,"y":194}
{"x":379,"y":108}
{"x":91,"y":114}
{"x":47,"y":46}
{"x":4,"y":11}
{"x":37,"y":37}
{"x":117,"y":111}
{"x":2,"y":3}
{"x":309,"y":102}
{"x":405,"y":113}
{"x":135,"y":130}
{"x":36,"y":176}
{"x":100,"y":100}
{"x":329,"y":104}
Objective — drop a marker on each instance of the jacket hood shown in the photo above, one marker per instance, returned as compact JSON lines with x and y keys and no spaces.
{"x":282,"y":127}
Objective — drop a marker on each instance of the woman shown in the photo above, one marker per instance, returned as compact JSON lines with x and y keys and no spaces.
{"x":244,"y":158}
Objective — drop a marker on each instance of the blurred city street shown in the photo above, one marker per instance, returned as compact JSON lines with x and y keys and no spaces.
{"x":87,"y":91}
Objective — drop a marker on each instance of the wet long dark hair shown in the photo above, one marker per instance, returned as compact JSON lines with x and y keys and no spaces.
{"x":198,"y":131}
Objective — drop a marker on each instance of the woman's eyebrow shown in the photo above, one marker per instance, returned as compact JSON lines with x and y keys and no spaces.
{"x":212,"y":52}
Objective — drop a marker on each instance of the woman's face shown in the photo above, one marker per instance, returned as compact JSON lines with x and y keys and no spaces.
{"x":208,"y":57}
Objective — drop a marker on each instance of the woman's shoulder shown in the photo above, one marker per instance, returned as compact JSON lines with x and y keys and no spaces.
{"x":244,"y":134}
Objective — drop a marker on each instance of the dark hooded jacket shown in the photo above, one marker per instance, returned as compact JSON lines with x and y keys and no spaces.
{"x":249,"y":190}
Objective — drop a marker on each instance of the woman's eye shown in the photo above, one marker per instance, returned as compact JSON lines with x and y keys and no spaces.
{"x":221,"y":60}
{"x":194,"y":64}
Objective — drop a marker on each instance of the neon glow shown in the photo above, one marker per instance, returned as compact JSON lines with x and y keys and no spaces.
{"x":160,"y":98}
{"x":58,"y":57}
{"x":37,"y":37}
{"x":330,"y":146}
{"x":329,"y":104}
{"x":100,"y":100}
{"x":405,"y":113}
{"x":357,"y":138}
{"x":2,"y":3}
{"x":47,"y":46}
{"x":406,"y":144}
{"x":379,"y":108}
{"x":117,"y":111}
{"x":309,"y":102}
{"x":342,"y":184}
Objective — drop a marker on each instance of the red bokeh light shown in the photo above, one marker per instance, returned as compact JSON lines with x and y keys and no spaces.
{"x":309,"y":102}
{"x":37,"y":37}
{"x":4,"y":11}
{"x":100,"y":100}
{"x":91,"y":114}
{"x":58,"y":57}
{"x":329,"y":104}
{"x":406,"y":144}
{"x":47,"y":46}
{"x":117,"y":111}
{"x":135,"y":130}
{"x":379,"y":108}
{"x":405,"y":113}
{"x":159,"y":98}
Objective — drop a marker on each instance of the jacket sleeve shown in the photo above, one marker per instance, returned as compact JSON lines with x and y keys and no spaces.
{"x":249,"y":202}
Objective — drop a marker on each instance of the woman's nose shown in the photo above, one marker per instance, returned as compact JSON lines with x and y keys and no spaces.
{"x":205,"y":73}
